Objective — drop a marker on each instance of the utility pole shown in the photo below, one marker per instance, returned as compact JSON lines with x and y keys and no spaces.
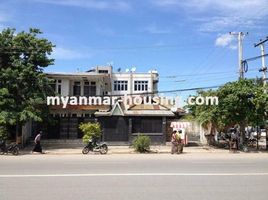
{"x":240,"y":37}
{"x":264,"y":68}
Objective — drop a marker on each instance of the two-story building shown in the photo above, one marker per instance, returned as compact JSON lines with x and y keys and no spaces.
{"x":120,"y":123}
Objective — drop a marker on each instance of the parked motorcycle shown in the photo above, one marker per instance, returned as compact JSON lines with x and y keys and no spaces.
{"x":11,"y":148}
{"x":251,"y":142}
{"x":95,"y":146}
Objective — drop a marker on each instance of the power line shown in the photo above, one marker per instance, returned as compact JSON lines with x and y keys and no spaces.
{"x":202,"y":74}
{"x":169,"y":91}
{"x":255,"y":58}
{"x":187,"y":89}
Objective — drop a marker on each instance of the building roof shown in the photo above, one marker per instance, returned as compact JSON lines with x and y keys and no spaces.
{"x":137,"y":110}
{"x":76,"y":74}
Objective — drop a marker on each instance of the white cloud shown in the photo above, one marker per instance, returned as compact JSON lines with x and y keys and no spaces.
{"x":68,"y":54}
{"x":166,"y":3}
{"x":226,"y":40}
{"x":118,"y":5}
{"x":219,"y":15}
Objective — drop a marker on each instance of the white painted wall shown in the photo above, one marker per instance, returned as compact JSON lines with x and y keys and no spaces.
{"x":65,"y":87}
{"x":131,"y":78}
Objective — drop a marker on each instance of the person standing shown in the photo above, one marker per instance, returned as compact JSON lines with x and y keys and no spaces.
{"x":37,"y":141}
{"x":180,"y":138}
{"x":233,"y":140}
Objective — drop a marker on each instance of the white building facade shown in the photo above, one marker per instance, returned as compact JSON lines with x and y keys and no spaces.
{"x":102,"y":81}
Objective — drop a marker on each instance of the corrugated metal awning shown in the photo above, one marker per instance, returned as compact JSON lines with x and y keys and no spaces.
{"x":178,"y":125}
{"x":164,"y":113}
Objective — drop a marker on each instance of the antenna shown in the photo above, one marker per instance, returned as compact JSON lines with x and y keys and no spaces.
{"x":111,"y":63}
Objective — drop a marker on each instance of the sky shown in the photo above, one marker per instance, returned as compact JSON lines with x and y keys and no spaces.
{"x":187,"y":42}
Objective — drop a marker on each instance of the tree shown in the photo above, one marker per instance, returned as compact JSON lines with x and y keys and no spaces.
{"x":238,"y":104}
{"x":23,"y":85}
{"x":241,"y":103}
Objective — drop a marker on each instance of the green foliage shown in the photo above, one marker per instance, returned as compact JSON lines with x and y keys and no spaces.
{"x":90,"y":130}
{"x":241,"y":103}
{"x":23,"y":85}
{"x":3,"y":133}
{"x":141,"y":143}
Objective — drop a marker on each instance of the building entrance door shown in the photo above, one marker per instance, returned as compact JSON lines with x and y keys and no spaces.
{"x":68,"y":128}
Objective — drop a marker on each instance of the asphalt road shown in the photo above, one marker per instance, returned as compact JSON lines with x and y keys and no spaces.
{"x":128,"y":177}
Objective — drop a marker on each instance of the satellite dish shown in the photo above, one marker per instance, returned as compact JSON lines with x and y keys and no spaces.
{"x":133,"y":69}
{"x":127,"y":70}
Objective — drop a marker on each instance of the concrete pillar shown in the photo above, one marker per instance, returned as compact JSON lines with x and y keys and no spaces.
{"x":130,"y":129}
{"x":164,"y":129}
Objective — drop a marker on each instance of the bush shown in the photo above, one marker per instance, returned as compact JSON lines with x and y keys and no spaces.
{"x":90,"y":130}
{"x":141,"y":143}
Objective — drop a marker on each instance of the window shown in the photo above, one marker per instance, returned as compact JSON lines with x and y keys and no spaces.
{"x":77,"y":88}
{"x":141,"y":85}
{"x":146,"y":125}
{"x":56,"y":86}
{"x":120,"y":85}
{"x":103,"y":71}
{"x":59,"y":89}
{"x":89,"y":88}
{"x":53,"y":85}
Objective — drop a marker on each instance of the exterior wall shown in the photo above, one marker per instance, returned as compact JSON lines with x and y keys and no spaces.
{"x":152,"y":79}
{"x":194,"y":131}
{"x":120,"y":77}
{"x":105,"y":85}
{"x":115,"y":128}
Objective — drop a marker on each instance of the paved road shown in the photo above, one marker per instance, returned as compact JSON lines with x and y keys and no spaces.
{"x":128,"y":177}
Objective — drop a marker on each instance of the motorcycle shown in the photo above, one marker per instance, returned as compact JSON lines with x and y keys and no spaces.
{"x":95,"y":146}
{"x":11,"y":148}
{"x":251,"y":142}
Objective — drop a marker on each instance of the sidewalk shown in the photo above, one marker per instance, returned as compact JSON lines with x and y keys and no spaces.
{"x":127,"y":150}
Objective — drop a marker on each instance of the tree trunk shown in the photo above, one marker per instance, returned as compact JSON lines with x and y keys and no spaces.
{"x":242,"y":133}
{"x":18,"y":132}
{"x":266,"y":138}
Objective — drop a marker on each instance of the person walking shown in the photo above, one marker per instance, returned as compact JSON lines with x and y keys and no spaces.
{"x":174,"y":142}
{"x":37,"y":141}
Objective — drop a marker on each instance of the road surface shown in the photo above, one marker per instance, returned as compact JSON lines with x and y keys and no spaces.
{"x":133,"y":177}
